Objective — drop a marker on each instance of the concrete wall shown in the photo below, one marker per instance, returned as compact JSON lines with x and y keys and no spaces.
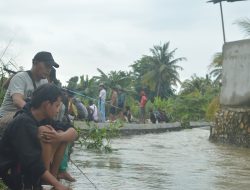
{"x":232,"y":125}
{"x":235,"y":89}
{"x":232,"y":121}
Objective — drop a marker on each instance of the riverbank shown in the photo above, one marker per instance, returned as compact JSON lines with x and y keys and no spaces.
{"x":137,"y":129}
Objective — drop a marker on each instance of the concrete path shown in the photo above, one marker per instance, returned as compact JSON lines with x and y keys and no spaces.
{"x":134,"y":128}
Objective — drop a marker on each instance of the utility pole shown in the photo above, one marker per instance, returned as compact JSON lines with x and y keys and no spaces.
{"x":221,"y":13}
{"x":222,"y":22}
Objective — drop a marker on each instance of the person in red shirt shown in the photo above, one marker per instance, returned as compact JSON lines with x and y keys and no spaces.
{"x":143,"y":102}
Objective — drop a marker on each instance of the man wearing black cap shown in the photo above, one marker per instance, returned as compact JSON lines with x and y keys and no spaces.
{"x":24,"y":83}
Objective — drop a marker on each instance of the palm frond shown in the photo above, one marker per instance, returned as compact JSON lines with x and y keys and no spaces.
{"x":244,"y":24}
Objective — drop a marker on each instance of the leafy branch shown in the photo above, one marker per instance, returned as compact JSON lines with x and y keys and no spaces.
{"x":98,"y":138}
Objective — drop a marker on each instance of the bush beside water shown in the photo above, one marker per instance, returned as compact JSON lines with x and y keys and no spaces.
{"x":99,"y":139}
{"x":2,"y":186}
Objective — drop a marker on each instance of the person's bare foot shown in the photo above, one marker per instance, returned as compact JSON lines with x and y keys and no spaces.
{"x":66,"y":176}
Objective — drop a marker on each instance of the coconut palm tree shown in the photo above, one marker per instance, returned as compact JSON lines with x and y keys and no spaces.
{"x":114,"y":78}
{"x":160,"y":70}
{"x":72,"y":82}
{"x":88,"y":86}
{"x":216,"y":67}
{"x":244,"y":24}
{"x":199,"y":84}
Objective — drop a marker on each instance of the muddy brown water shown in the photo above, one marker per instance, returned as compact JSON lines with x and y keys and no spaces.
{"x":172,"y":160}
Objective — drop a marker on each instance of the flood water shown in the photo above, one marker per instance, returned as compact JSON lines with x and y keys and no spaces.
{"x":171,"y":160}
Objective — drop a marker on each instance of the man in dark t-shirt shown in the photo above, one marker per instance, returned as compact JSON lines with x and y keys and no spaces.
{"x":29,"y":142}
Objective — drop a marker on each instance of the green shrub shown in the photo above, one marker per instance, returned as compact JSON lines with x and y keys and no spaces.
{"x":191,"y":107}
{"x":2,"y":186}
{"x":213,"y":107}
{"x":99,"y":138}
{"x":134,"y":106}
{"x":160,"y":103}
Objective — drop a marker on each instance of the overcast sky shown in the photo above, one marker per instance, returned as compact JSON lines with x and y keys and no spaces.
{"x":111,"y":34}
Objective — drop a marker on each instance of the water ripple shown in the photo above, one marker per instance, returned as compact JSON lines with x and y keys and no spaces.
{"x":174,"y":160}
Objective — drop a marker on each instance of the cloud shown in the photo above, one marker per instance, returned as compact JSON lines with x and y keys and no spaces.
{"x":84,"y":35}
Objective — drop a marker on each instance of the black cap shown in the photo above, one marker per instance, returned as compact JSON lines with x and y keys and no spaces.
{"x":45,"y":57}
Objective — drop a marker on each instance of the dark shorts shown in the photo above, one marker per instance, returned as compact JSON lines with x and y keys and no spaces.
{"x":142,"y":111}
{"x":112,"y":110}
{"x":121,"y":105}
{"x":120,"y":108}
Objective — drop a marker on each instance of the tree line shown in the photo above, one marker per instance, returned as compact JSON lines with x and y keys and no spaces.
{"x":158,"y":75}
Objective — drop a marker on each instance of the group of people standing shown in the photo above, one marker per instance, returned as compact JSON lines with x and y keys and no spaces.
{"x":116,"y":103}
{"x":106,"y":110}
{"x":78,"y":111}
{"x":91,"y":112}
{"x":117,"y":108}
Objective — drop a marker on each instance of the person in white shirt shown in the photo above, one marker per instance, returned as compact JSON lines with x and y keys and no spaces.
{"x":93,"y":114}
{"x":101,"y":102}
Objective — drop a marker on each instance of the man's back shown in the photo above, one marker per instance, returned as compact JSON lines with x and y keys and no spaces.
{"x":82,"y":110}
{"x":114,"y":98}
